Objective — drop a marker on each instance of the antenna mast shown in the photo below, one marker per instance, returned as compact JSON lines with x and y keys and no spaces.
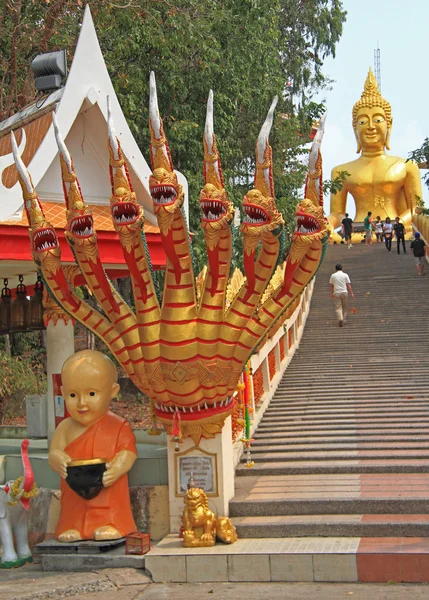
{"x":377,"y":67}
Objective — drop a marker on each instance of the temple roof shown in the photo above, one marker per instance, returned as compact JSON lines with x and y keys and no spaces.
{"x":81,"y":110}
{"x":55,"y":212}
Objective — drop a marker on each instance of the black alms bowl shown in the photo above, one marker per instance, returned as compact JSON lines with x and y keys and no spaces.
{"x":85,"y":477}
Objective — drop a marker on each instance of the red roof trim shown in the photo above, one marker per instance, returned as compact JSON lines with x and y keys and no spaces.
{"x":15,"y":245}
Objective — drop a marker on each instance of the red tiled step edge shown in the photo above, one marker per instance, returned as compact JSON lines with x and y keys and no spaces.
{"x":406,"y":559}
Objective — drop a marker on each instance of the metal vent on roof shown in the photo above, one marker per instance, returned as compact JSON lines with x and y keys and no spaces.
{"x":49,"y":70}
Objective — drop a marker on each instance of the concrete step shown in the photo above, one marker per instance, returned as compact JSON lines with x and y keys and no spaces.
{"x":334,"y":506}
{"x":344,"y":424}
{"x":347,"y":403}
{"x":315,"y":436}
{"x":355,"y":392}
{"x":327,"y":466}
{"x":336,"y":454}
{"x":280,"y":447}
{"x":352,"y":384}
{"x":373,"y":525}
{"x":326,"y":413}
{"x":343,"y":448}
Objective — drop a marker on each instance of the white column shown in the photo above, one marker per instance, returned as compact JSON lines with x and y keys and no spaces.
{"x":221,"y":445}
{"x":59,"y":345}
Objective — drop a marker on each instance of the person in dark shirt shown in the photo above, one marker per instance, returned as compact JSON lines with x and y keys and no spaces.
{"x":347,"y":229}
{"x":399,"y":230}
{"x":419,"y":249}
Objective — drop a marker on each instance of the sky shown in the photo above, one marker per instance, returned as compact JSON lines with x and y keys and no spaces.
{"x":401,"y":30}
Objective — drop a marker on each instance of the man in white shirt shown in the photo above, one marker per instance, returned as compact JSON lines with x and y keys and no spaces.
{"x":340,"y":288}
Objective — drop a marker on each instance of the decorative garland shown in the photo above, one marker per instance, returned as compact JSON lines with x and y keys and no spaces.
{"x":14,"y":491}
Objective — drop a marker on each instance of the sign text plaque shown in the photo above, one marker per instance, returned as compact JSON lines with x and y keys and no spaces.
{"x":201,"y":467}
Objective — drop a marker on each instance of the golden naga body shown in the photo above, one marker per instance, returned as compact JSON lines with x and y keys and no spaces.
{"x":201,"y":527}
{"x":185,"y":350}
{"x":383,"y":184}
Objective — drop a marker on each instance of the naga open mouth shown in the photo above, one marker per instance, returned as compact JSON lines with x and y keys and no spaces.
{"x":212,"y":210}
{"x":306,"y":224}
{"x":163,"y":194}
{"x":82,"y":226}
{"x":194,"y":413}
{"x":45,"y":239}
{"x":125,"y":213}
{"x":255,"y":215}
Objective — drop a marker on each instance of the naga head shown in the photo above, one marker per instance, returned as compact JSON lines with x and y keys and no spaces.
{"x":311,"y":224}
{"x":314,"y":180}
{"x":79,"y":221}
{"x":167,"y":193}
{"x":261,"y":216}
{"x":127,"y":213}
{"x":43,"y":238}
{"x":218,"y":211}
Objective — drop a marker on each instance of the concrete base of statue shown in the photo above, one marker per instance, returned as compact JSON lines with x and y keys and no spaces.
{"x":86,"y":556}
{"x":210,"y":463}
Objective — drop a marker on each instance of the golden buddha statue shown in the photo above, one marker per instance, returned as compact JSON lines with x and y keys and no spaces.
{"x":383,"y":184}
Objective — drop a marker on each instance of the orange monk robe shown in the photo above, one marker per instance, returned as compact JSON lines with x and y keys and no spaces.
{"x":112,"y":506}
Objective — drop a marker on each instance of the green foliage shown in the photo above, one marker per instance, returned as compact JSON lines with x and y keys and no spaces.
{"x":247,"y":51}
{"x":333,"y":186}
{"x":421,"y":156}
{"x":18,"y":377}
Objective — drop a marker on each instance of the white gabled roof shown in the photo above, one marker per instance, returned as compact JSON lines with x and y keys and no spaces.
{"x":82,"y":117}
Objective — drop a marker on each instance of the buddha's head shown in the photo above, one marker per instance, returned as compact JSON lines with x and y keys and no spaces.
{"x":89,"y":381}
{"x":372,"y":118}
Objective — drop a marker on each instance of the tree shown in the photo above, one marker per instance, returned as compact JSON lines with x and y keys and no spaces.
{"x":421,"y":156}
{"x":247,"y":51}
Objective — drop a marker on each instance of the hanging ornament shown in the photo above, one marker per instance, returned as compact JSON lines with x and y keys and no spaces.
{"x":19,"y":309}
{"x":35,"y":309}
{"x":176,"y":434}
{"x":5,"y":307}
{"x":247,"y":411}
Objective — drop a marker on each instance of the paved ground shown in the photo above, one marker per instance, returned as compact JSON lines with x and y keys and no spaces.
{"x":263,"y":591}
{"x":130,"y":584}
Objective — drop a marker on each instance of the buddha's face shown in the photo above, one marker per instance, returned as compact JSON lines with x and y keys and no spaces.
{"x":371,"y":128}
{"x":88,"y":390}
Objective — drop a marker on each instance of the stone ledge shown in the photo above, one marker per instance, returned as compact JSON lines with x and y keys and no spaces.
{"x":353,"y":559}
{"x":293,"y":559}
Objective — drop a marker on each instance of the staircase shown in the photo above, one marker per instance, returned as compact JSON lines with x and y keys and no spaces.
{"x":343,"y":449}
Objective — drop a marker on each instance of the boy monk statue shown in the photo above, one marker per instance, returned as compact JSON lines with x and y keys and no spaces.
{"x":92,"y":432}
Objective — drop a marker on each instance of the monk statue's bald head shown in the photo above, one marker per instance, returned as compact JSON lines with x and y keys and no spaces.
{"x":89,"y":382}
{"x":91,"y":359}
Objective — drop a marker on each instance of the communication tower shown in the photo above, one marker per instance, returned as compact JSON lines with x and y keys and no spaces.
{"x":377,"y":68}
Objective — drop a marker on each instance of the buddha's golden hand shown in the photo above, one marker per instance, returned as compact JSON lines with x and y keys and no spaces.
{"x":118,"y":466}
{"x":58,"y":460}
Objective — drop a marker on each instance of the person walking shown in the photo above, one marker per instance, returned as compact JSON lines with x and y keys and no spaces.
{"x":419,"y":249}
{"x":399,"y":230}
{"x":367,"y":225}
{"x":347,"y":229}
{"x":378,"y":229}
{"x":340,"y":289}
{"x":388,"y":232}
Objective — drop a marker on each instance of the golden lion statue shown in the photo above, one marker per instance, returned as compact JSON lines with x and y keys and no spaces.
{"x":201,"y":527}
